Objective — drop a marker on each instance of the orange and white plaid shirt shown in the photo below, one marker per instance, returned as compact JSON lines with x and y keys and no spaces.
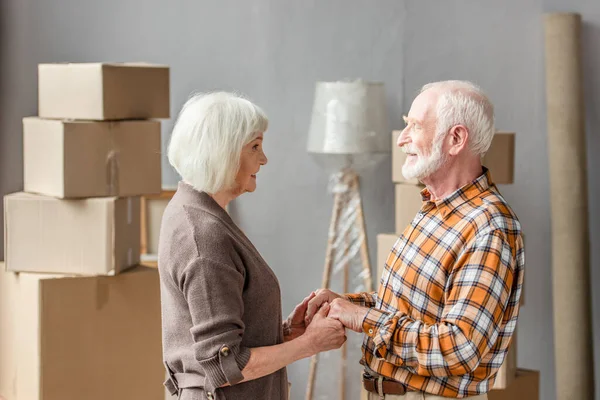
{"x":449,"y":296}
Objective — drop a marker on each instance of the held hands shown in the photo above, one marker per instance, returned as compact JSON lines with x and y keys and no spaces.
{"x":321,"y":319}
{"x":341,"y":309}
{"x":321,"y":297}
{"x":350,"y":315}
{"x":323,"y":333}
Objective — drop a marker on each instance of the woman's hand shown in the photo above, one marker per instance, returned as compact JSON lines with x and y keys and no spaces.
{"x":321,"y":296}
{"x":295,"y":325}
{"x":323,"y":333}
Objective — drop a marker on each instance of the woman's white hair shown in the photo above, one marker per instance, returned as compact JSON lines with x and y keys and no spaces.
{"x":208,"y":137}
{"x":464,"y":103}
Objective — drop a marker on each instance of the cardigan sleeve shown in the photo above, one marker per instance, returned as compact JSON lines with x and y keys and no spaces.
{"x":213,"y":291}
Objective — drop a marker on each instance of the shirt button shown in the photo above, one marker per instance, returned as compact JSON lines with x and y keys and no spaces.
{"x":225,"y":351}
{"x":370,"y":331}
{"x":209,"y":395}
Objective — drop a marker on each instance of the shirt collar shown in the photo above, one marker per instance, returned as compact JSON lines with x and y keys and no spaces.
{"x":469,"y":191}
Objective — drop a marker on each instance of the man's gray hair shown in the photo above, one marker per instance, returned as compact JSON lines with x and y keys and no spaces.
{"x":208,"y":137}
{"x":464,"y":103}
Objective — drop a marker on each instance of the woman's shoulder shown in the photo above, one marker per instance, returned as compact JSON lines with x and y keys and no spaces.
{"x":196,"y":227}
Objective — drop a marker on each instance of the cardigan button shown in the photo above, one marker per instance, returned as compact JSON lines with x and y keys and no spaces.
{"x":225,"y":351}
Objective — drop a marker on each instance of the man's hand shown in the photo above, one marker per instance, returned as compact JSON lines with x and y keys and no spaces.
{"x":350,"y":315}
{"x":295,"y":324}
{"x":324,"y":333}
{"x":321,"y":296}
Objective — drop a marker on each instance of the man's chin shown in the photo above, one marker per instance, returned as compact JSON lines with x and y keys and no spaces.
{"x":409,"y":174}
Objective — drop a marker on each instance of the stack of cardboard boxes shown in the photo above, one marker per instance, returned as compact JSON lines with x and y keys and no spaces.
{"x":510,"y":382}
{"x":80,"y":318}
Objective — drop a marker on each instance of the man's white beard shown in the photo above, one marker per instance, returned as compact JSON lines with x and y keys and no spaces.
{"x":425,"y":166}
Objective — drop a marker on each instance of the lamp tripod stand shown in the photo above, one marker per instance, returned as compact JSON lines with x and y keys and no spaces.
{"x":347,"y":237}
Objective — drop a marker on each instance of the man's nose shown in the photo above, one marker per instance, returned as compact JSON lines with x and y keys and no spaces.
{"x":404,"y":138}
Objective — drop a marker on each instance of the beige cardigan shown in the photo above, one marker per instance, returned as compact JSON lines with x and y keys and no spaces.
{"x":219,"y":299}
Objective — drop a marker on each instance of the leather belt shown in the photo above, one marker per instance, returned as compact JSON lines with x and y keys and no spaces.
{"x":383,"y":386}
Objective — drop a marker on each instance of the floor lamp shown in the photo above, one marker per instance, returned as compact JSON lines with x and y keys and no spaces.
{"x":348,"y":135}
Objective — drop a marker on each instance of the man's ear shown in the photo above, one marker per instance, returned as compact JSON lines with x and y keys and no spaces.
{"x":458,"y":137}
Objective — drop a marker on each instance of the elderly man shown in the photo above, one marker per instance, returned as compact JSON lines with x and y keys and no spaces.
{"x":448,"y":302}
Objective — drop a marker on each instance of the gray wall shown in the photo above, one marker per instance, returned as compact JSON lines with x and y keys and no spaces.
{"x":274,"y":51}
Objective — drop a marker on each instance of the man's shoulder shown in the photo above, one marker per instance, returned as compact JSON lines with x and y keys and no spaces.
{"x":491,"y":212}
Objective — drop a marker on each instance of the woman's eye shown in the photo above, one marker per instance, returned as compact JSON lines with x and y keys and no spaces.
{"x":255,"y":147}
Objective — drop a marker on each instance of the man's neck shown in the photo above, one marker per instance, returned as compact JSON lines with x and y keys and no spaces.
{"x":450,"y":178}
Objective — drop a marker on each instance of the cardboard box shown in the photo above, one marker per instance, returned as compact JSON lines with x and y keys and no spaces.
{"x":408,"y":203}
{"x":500,"y":158}
{"x":71,"y":338}
{"x":508,"y":371}
{"x":103,"y":91}
{"x":526,"y":386}
{"x":96,"y":236}
{"x":152,"y":207}
{"x":69,"y":159}
{"x":385,"y":242}
{"x":398,"y":158}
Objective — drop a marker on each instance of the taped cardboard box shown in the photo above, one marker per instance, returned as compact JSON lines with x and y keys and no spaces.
{"x":71,"y":338}
{"x":103,"y":91}
{"x":70,"y":159}
{"x":408,"y":202}
{"x":526,"y":386}
{"x":153,"y":207}
{"x":96,"y":236}
{"x":385,"y":242}
{"x":398,"y":159}
{"x":508,"y":371}
{"x":500,"y":158}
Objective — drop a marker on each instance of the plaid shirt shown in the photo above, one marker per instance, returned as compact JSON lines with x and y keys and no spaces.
{"x":448,"y":301}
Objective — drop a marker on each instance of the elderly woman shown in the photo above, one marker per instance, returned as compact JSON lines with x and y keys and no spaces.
{"x":223,"y":335}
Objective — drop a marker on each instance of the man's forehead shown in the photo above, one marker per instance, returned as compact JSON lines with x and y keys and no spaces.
{"x":422,"y":104}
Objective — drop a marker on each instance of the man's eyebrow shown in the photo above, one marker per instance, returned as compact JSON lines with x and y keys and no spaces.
{"x":411,"y":120}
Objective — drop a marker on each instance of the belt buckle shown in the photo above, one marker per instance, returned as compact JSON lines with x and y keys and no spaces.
{"x":379,"y":387}
{"x":377,"y":383}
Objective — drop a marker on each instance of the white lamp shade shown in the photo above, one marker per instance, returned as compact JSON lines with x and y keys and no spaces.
{"x":349,"y":118}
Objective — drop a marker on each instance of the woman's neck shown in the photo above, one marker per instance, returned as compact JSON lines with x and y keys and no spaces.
{"x":223,"y":198}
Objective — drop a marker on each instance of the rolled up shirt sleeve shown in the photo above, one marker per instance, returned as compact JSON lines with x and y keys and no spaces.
{"x":363,"y":299}
{"x":213,"y":292}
